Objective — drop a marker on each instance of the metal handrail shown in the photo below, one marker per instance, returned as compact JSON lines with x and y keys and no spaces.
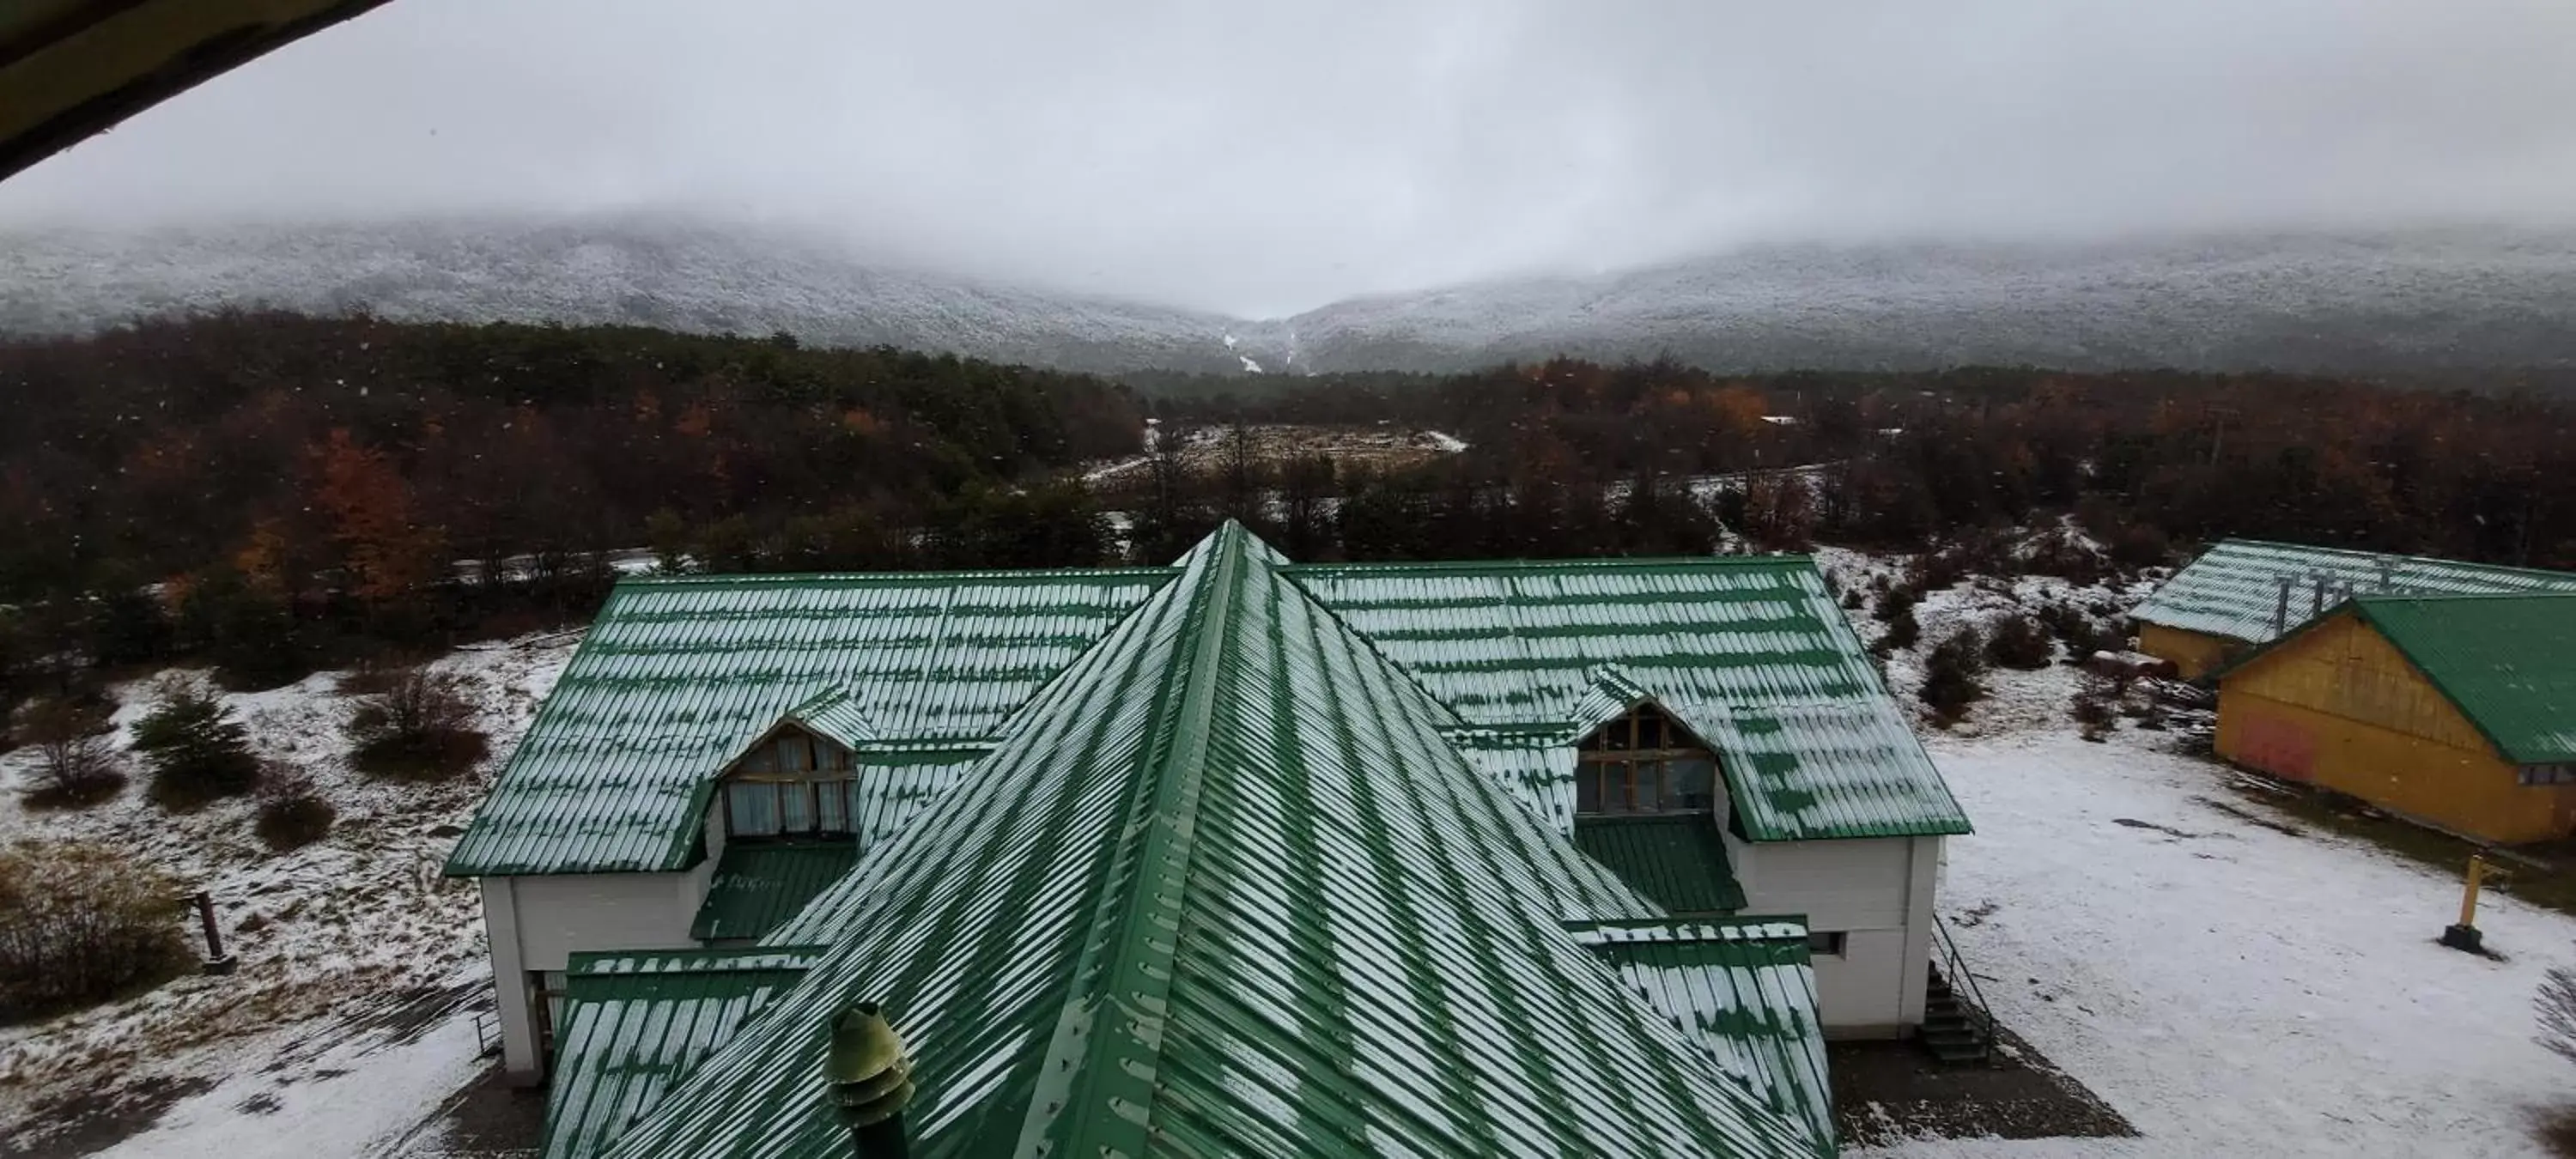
{"x":1963,"y":985}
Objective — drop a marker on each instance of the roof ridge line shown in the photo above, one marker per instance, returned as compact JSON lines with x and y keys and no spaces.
{"x":2366,"y":553}
{"x":1605,"y":562}
{"x":2450,"y":597}
{"x":1137,"y":973}
{"x":793,"y":578}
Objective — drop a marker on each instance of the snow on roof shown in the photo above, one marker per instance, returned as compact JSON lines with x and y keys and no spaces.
{"x":677,"y":674}
{"x":1224,"y":881}
{"x":1750,"y":653}
{"x":2234,"y":589}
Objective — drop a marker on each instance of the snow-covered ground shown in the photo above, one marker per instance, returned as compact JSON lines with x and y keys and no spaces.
{"x":2230,"y":988}
{"x":1272,"y":443}
{"x":356,"y":932}
{"x":353,"y":1090}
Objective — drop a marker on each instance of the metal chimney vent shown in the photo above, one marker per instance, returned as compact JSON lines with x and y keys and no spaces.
{"x":869,"y":1079}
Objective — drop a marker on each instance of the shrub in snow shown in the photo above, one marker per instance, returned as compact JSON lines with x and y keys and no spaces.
{"x":420,"y":727}
{"x":2083,"y":636}
{"x":1896,"y":602}
{"x":2093,"y":712}
{"x":2019,"y":642}
{"x":291,"y":814}
{"x":80,"y":924}
{"x":75,"y":764}
{"x":1903,"y":631}
{"x":196,"y":750}
{"x":2557,"y":1005}
{"x":1953,"y":675}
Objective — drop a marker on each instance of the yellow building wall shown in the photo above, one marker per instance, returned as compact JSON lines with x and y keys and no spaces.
{"x":2193,"y":654}
{"x":2341,"y":708}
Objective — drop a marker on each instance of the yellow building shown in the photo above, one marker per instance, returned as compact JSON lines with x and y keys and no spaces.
{"x":2244,"y":593}
{"x":2455,"y":711}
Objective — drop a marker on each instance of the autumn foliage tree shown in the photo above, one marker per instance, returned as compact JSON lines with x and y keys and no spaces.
{"x":387,"y":553}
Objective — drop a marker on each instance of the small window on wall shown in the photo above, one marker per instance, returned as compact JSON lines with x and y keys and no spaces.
{"x":1643,"y":762}
{"x":1825,"y":945}
{"x":2556,"y":774}
{"x":793,"y":785}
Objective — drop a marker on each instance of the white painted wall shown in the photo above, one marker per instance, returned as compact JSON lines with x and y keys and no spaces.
{"x":519,"y":1062}
{"x":605,"y":911}
{"x":537,"y":923}
{"x":1878,"y":893}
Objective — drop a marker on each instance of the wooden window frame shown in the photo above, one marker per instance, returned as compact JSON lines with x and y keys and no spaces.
{"x":1606,"y":753}
{"x":811,"y":779}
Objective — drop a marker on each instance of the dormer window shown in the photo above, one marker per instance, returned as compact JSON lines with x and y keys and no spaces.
{"x":1643,"y":762}
{"x":792,"y":784}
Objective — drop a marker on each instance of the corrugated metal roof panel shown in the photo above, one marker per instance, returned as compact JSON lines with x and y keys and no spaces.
{"x":1227,"y":891}
{"x":634,"y":1022}
{"x":2508,"y":662}
{"x":1747,"y":991}
{"x":678,"y":674}
{"x":1677,"y":859}
{"x":834,"y":713}
{"x":1751,"y":653}
{"x":757,"y":887}
{"x":2234,"y":589}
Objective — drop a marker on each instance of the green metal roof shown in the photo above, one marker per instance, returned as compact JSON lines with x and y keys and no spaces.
{"x":1224,"y":889}
{"x":677,"y":675}
{"x":834,"y":714}
{"x":632,"y":1022}
{"x":2234,"y":589}
{"x":758,"y":886}
{"x":1750,"y":652}
{"x":1677,"y":859}
{"x":1746,"y":991}
{"x":2508,"y":663}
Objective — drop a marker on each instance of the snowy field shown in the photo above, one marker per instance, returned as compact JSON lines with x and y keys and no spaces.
{"x":346,"y":1016}
{"x":2228,"y":987}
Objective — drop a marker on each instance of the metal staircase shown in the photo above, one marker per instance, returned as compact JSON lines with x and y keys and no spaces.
{"x":1957,"y":1026}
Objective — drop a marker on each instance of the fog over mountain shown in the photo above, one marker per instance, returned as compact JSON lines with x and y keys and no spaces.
{"x":1262,"y":160}
{"x":2377,"y":303}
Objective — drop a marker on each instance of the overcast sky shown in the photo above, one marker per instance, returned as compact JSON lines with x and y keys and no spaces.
{"x":1266,"y":157}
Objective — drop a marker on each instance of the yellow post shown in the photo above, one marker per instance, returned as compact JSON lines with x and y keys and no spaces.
{"x":2469,"y":896}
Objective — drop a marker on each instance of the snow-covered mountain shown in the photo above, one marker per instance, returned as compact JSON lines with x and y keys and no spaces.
{"x":2365,"y":304}
{"x":2379,"y":303}
{"x":672,"y":275}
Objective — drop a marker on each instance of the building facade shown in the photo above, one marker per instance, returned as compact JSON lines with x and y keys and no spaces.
{"x":2455,"y":711}
{"x":748,"y":797}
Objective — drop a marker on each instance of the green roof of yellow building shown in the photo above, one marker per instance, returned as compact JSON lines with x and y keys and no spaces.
{"x":2508,"y":663}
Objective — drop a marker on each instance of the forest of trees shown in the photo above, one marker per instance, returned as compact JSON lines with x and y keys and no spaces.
{"x":273,"y":493}
{"x":277,"y":491}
